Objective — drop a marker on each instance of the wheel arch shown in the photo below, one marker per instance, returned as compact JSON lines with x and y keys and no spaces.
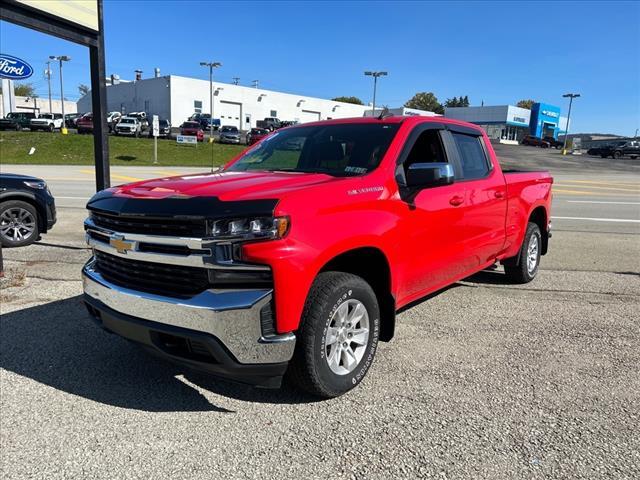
{"x":372,"y":265}
{"x":540,"y":217}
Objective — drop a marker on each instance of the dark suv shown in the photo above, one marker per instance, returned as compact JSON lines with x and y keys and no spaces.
{"x":27,"y":209}
{"x":534,"y":141}
{"x":16,"y":120}
{"x":557,"y":144}
{"x":621,"y":149}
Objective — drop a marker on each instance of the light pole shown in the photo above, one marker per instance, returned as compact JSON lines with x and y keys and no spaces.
{"x":47,"y":72}
{"x":375,"y":76}
{"x":61,"y":58}
{"x":211,"y":66}
{"x":571,"y":96}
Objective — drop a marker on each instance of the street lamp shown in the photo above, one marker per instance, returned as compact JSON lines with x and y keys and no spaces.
{"x":571,"y":96}
{"x":211,"y":66}
{"x":60,"y":59}
{"x":375,"y":76}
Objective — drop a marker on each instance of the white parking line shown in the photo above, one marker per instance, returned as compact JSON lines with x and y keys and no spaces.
{"x":72,"y":198}
{"x":623,"y":220}
{"x":609,"y":203}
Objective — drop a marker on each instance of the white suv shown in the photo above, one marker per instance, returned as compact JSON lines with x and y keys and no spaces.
{"x":128,"y":126}
{"x":46,"y":121}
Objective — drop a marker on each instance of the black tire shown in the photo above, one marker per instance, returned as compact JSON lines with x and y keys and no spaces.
{"x":519,"y":269}
{"x":309,"y":369}
{"x":51,"y":127}
{"x":617,"y":154}
{"x":18,"y":205}
{"x":18,"y":128}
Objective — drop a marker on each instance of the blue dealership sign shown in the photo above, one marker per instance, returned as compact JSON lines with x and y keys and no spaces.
{"x":13,"y":68}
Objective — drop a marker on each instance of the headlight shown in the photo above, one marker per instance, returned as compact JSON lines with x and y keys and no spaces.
{"x":251,"y":228}
{"x":38,"y":185}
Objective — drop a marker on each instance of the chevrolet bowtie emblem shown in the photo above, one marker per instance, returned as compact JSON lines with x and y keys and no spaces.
{"x":120,"y":244}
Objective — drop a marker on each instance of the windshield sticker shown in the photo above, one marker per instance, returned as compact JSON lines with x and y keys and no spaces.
{"x":350,"y":169}
{"x":360,"y":191}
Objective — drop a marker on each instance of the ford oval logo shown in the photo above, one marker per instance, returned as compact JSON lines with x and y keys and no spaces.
{"x":13,"y":68}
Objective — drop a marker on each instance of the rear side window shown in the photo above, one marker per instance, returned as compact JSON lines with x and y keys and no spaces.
{"x":472,"y":157}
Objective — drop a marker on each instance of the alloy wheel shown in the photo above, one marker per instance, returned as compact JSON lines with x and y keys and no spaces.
{"x":347,"y":337}
{"x":17,"y":224}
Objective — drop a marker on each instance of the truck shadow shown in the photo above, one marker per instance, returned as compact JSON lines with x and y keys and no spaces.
{"x":58,"y":345}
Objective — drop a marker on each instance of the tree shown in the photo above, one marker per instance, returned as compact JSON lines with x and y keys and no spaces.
{"x":425,"y":101}
{"x":24,"y":90}
{"x":457,"y":102}
{"x":84,"y":89}
{"x":525,"y":104}
{"x":354,"y":100}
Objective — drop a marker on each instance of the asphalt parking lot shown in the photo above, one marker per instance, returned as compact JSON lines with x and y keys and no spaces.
{"x":483,"y":380}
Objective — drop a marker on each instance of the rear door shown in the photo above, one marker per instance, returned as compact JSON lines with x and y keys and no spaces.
{"x":485,"y":197}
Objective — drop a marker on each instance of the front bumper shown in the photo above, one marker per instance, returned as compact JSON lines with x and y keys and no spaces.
{"x":224,"y":139}
{"x":218,"y":331}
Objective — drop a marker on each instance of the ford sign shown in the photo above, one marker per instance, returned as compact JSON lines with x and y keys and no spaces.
{"x":13,"y":68}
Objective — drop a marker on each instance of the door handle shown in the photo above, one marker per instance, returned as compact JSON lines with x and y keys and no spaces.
{"x":499,"y":194}
{"x":457,"y":200}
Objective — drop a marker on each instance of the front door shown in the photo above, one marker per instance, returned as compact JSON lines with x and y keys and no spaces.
{"x":431,"y":234}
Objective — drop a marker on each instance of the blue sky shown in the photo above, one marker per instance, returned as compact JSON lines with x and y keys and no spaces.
{"x":496,"y":52}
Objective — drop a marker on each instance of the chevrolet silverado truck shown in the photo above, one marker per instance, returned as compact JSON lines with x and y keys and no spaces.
{"x":293,"y":262}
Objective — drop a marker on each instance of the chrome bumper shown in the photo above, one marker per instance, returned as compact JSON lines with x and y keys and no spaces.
{"x":231,"y":316}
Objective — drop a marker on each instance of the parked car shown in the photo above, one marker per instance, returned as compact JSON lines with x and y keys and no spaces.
{"x":46,"y":121}
{"x":27,"y":209}
{"x":553,"y":142}
{"x":84,"y":124}
{"x":17,"y":120}
{"x":193,"y":129}
{"x":142,"y":119}
{"x":128,"y":126}
{"x":270,"y":123}
{"x":164,"y":129}
{"x":204,"y":119}
{"x":256,"y":134}
{"x":621,"y":149}
{"x":112,"y":120}
{"x":298,"y":261}
{"x":535,"y":141}
{"x":288,"y":123}
{"x":229,"y":134}
{"x":71,"y":119}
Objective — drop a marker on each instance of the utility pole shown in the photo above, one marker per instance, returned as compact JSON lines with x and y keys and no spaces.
{"x":571,"y":96}
{"x":61,"y":58}
{"x":47,"y":73}
{"x":255,"y":83}
{"x":211,"y":66}
{"x":375,"y":76}
{"x":236,"y":80}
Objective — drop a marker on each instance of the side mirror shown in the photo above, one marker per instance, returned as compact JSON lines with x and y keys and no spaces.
{"x":429,"y":174}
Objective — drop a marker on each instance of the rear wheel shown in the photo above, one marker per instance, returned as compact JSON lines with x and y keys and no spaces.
{"x":525,"y":269}
{"x":338,"y":337}
{"x":617,"y":154}
{"x":18,"y":223}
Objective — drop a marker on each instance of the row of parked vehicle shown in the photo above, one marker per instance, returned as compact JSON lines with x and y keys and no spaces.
{"x":545,"y":142}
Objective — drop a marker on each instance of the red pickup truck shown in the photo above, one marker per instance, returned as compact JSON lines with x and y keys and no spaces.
{"x":295,"y":257}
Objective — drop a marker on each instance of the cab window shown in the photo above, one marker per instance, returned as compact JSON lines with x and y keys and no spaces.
{"x":473,"y":160}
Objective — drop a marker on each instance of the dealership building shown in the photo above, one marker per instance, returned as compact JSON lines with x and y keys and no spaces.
{"x":176,"y":98}
{"x":508,"y":123}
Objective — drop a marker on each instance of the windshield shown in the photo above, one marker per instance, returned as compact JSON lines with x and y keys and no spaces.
{"x":339,"y":150}
{"x":229,"y":129}
{"x":259,"y":131}
{"x":46,"y":115}
{"x":191,"y":125}
{"x":127,"y":120}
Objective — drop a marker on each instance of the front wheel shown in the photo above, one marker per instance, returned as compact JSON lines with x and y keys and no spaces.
{"x":526,"y":268}
{"x":338,"y":337}
{"x":617,"y":154}
{"x":18,"y":223}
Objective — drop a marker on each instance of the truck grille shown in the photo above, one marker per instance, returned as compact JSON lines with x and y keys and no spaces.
{"x":158,"y":278}
{"x":174,"y":227}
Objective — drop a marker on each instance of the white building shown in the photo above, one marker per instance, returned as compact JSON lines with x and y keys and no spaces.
{"x":176,"y":98}
{"x":403,"y":112}
{"x":13,"y":103}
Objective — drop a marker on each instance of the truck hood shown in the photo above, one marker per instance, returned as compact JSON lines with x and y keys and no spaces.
{"x":227,"y":186}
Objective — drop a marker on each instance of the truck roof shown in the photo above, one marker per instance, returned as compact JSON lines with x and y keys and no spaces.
{"x":411,"y":119}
